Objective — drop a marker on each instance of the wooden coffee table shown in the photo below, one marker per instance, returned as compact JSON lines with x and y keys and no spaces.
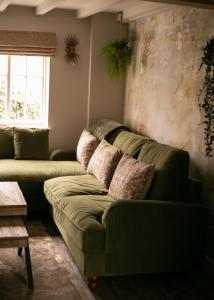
{"x":13,"y":233}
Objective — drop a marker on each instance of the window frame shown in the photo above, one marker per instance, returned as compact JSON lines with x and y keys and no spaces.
{"x":43,"y":122}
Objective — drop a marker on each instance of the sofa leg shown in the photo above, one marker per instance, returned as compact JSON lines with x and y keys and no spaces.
{"x":92,"y":282}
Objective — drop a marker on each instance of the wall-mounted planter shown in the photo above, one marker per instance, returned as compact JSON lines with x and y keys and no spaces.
{"x":71,"y":55}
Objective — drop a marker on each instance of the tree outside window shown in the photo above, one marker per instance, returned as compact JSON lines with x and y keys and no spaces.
{"x":23,"y":90}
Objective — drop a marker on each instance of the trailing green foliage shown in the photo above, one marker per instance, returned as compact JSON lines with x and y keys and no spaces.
{"x":118,"y":55}
{"x":207,"y":103}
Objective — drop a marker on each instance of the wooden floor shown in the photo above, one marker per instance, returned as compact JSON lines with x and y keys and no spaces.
{"x":197,"y":285}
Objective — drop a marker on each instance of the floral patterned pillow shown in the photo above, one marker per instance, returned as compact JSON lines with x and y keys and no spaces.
{"x":86,"y":147}
{"x":132,"y":179}
{"x":104,"y":162}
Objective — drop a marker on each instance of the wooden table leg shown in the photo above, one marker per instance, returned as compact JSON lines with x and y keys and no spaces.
{"x":19,"y":252}
{"x":28,"y":267}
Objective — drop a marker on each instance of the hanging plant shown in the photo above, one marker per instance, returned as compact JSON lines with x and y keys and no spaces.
{"x":207,"y":103}
{"x":118,"y":53}
{"x":71,"y":42}
{"x":118,"y":56}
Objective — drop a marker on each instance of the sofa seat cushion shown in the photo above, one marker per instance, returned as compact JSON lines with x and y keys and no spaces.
{"x":57,"y":188}
{"x":80,"y":216}
{"x":37,"y":170}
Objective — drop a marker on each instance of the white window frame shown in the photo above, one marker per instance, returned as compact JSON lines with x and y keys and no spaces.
{"x":43,"y":123}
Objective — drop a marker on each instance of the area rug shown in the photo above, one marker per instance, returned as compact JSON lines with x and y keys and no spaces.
{"x":51,"y":277}
{"x":56,"y":276}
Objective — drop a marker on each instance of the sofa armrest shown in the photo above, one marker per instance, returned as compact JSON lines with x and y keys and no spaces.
{"x":157,"y":226}
{"x":59,"y":154}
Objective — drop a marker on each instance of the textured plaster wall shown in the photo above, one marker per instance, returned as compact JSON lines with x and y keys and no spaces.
{"x":163,"y":86}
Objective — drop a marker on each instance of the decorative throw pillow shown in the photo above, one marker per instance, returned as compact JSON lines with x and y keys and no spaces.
{"x":31,"y":143}
{"x":104,"y":162}
{"x":6,"y":142}
{"x":86,"y":147}
{"x":132,"y":179}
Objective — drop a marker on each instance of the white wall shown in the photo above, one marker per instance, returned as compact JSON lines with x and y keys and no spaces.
{"x":69,"y":85}
{"x":106,"y":96}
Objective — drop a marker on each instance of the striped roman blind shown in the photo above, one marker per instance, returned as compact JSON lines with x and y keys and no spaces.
{"x":27,"y":43}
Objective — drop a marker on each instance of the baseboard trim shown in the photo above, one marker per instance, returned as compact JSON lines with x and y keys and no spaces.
{"x":209,"y":265}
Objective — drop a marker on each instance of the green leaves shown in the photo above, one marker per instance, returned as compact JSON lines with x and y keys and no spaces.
{"x":71,"y":42}
{"x":207,"y":90}
{"x":118,"y":56}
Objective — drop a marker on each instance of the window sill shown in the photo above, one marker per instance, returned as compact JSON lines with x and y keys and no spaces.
{"x":25,"y":125}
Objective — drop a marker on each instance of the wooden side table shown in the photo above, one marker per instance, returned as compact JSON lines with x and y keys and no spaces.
{"x":13,"y":232}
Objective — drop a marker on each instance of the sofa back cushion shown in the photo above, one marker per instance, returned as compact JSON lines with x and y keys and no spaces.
{"x":129,"y":142}
{"x":86,"y":147}
{"x":31,"y":143}
{"x":132,"y":179}
{"x":104,"y":162}
{"x":6,"y":142}
{"x":171,"y":171}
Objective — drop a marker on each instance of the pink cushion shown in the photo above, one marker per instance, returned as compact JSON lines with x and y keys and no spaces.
{"x":86,"y":147}
{"x":104,"y":162}
{"x":132,"y":179}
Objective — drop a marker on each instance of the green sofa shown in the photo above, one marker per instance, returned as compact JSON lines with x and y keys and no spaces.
{"x":25,"y":158}
{"x":165,"y":232}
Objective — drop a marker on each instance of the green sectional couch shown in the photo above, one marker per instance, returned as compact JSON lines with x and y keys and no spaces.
{"x":25,"y":158}
{"x":106,"y":236}
{"x":31,"y":167}
{"x":31,"y":174}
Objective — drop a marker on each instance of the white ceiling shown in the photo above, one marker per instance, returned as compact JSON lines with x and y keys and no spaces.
{"x":132,"y":9}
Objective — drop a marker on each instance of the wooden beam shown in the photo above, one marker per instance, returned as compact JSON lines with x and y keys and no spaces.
{"x":95,"y":7}
{"x":145,"y":9}
{"x":194,"y":3}
{"x":47,"y":5}
{"x":4,"y":4}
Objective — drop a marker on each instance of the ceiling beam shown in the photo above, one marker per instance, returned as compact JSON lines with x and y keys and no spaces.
{"x":194,"y":3}
{"x":47,"y":5}
{"x":145,"y":9}
{"x":95,"y":7}
{"x":4,"y":4}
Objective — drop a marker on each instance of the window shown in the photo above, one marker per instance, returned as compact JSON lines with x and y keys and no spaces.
{"x":24,"y":90}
